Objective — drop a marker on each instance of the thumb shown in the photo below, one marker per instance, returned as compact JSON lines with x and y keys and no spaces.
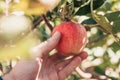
{"x":45,"y":47}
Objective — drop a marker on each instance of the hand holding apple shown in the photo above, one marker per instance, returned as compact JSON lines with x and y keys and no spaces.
{"x":44,"y":67}
{"x":73,"y":38}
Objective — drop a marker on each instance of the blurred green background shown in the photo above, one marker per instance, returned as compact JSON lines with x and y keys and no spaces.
{"x":103,"y":62}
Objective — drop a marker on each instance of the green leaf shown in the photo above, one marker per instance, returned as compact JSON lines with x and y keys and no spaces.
{"x":43,"y":33}
{"x":75,"y":77}
{"x":99,"y":70}
{"x":103,"y":22}
{"x":78,"y":3}
{"x":115,"y":47}
{"x":116,"y":27}
{"x":89,"y":21}
{"x":114,"y":17}
{"x":86,"y":8}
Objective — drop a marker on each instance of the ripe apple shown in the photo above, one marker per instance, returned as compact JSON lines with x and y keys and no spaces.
{"x":73,"y":38}
{"x":14,"y":26}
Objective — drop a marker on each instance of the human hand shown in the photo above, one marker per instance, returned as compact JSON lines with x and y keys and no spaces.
{"x":45,"y":67}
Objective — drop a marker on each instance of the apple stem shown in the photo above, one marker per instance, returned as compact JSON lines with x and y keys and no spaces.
{"x":47,"y":22}
{"x":67,"y":19}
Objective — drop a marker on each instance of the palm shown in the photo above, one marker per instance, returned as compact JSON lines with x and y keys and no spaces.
{"x":54,"y":69}
{"x":25,"y":70}
{"x":44,"y":67}
{"x":50,"y":70}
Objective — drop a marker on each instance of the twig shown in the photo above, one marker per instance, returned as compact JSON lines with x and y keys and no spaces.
{"x":67,"y":19}
{"x":97,"y":39}
{"x":37,"y":23}
{"x":47,"y":22}
{"x":87,"y":28}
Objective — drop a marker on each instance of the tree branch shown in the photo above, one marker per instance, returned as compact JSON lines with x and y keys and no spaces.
{"x":37,"y":23}
{"x":97,"y":39}
{"x":47,"y":22}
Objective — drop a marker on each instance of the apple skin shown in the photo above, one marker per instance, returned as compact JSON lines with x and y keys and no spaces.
{"x":73,"y":38}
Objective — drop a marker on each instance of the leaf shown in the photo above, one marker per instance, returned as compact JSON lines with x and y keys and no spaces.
{"x":99,"y":70}
{"x":103,"y":22}
{"x":116,"y":27}
{"x":78,"y":3}
{"x":89,"y":21}
{"x":115,"y":47}
{"x":86,"y":8}
{"x":43,"y":33}
{"x":115,"y":5}
{"x":75,"y":76}
{"x":114,"y":17}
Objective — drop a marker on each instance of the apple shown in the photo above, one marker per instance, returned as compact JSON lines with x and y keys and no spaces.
{"x":73,"y":38}
{"x":13,"y":26}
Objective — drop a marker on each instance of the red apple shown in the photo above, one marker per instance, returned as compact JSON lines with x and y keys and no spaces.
{"x":73,"y":38}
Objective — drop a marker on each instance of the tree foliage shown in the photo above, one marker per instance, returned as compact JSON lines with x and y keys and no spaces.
{"x":101,"y":20}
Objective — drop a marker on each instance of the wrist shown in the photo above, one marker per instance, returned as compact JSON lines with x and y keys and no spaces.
{"x":8,"y":77}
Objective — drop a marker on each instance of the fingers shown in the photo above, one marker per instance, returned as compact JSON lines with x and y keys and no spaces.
{"x":45,"y":47}
{"x":69,"y":68}
{"x":60,"y":66}
{"x":65,"y":68}
{"x":57,"y":57}
{"x":83,"y":55}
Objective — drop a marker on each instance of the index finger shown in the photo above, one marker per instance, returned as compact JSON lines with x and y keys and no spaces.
{"x":45,"y":47}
